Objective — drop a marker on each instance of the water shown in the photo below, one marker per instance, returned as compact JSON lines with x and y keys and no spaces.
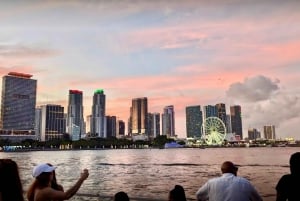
{"x":153,"y":173}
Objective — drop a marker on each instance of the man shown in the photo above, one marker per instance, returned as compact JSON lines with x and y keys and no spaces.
{"x":228,"y":187}
{"x":288,"y":186}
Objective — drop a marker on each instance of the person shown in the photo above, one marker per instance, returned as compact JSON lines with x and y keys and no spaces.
{"x":121,"y":196}
{"x":41,"y":190}
{"x":177,"y":194}
{"x":54,"y":183}
{"x":10,"y":182}
{"x":288,"y":186}
{"x":228,"y":187}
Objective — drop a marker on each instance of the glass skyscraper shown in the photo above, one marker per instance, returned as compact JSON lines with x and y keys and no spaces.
{"x":18,"y":102}
{"x":193,"y":121}
{"x":236,"y":120}
{"x":98,"y":122}
{"x":168,"y":121}
{"x":139,"y":116}
{"x":75,"y":121}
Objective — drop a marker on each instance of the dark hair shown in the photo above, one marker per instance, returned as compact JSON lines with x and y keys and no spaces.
{"x":40,"y":181}
{"x":177,"y":194}
{"x":54,"y":183}
{"x":295,"y":163}
{"x":121,"y":196}
{"x":12,"y":188}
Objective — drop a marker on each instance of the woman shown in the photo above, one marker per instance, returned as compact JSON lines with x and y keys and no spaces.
{"x":177,"y":194}
{"x":41,"y":190}
{"x":54,"y":183}
{"x":10,"y":182}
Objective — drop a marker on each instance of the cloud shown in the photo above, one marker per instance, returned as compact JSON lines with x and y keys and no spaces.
{"x":19,"y":50}
{"x":253,"y":89}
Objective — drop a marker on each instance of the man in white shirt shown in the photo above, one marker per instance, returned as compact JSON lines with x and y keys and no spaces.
{"x":228,"y":187}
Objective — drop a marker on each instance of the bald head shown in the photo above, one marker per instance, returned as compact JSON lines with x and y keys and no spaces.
{"x":229,"y":167}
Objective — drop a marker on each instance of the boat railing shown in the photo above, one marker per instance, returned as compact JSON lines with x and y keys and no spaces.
{"x":99,"y":197}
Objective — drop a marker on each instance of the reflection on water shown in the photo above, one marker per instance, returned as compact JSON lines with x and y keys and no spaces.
{"x":153,"y":172}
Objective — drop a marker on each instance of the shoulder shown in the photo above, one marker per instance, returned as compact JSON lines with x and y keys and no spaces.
{"x":284,"y":181}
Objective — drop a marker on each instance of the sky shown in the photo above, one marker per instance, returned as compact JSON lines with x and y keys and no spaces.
{"x":181,"y":53}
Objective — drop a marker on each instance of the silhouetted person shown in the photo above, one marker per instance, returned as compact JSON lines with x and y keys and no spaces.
{"x":177,"y":194}
{"x":121,"y":196}
{"x":10,"y":182}
{"x":288,"y":187}
{"x":228,"y":187}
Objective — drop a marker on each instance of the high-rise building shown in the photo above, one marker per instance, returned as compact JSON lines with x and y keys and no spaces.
{"x":120,"y":128}
{"x":75,"y":121}
{"x":194,"y":121}
{"x":236,"y":120}
{"x":168,"y":121}
{"x":221,"y":112}
{"x":53,"y":124}
{"x":154,"y":125}
{"x":269,"y":132}
{"x":228,"y":123}
{"x":139,"y":118}
{"x":88,"y":124}
{"x":98,"y":123}
{"x":209,"y":111}
{"x":111,"y":126}
{"x":253,"y":134}
{"x":18,"y":102}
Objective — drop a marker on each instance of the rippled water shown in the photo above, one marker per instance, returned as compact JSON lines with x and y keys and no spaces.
{"x":153,"y":172}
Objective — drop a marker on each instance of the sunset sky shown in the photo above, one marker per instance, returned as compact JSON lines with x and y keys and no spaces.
{"x":180,"y":53}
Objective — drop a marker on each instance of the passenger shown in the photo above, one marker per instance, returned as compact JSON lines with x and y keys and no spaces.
{"x":177,"y":194}
{"x":121,"y":196}
{"x":288,"y":185}
{"x":10,"y":182}
{"x":54,"y":183}
{"x":228,"y":187}
{"x":40,"y":189}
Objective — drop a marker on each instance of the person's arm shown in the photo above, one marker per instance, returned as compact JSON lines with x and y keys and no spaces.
{"x":202,"y":193}
{"x":60,"y":195}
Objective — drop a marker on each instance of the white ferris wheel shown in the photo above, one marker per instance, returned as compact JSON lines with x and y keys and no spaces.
{"x":214,"y":131}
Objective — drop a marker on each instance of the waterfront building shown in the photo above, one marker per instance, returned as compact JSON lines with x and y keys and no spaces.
{"x":209,"y":111}
{"x":38,"y":122}
{"x":168,"y":121}
{"x":18,"y":102}
{"x":193,"y":121}
{"x":139,"y":116}
{"x":120,"y":129}
{"x":52,"y":124}
{"x":221,"y":112}
{"x":88,"y":124}
{"x":98,"y":123}
{"x":154,"y":124}
{"x":253,"y":134}
{"x":236,"y":120}
{"x":111,"y":126}
{"x":228,"y":124}
{"x":269,"y":132}
{"x":75,"y":121}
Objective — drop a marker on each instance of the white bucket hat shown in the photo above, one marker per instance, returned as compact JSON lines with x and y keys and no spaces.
{"x":39,"y":169}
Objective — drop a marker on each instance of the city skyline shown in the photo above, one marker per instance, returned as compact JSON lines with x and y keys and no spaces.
{"x":181,"y":53}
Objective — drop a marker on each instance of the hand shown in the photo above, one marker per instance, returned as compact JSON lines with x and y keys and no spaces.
{"x":84,"y":174}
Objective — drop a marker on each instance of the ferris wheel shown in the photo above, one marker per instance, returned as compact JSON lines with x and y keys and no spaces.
{"x":214,"y":131}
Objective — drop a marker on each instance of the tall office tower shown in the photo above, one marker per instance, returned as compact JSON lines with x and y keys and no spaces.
{"x":221,"y":112}
{"x":193,"y":121}
{"x":139,"y":116}
{"x":18,"y":101}
{"x":236,"y":120}
{"x":168,"y":121}
{"x":228,"y":123}
{"x":111,"y":126}
{"x":154,"y":125}
{"x":52,"y":122}
{"x":88,"y":124}
{"x":75,"y":121}
{"x":120,"y":128}
{"x":129,"y":125}
{"x":269,"y":132}
{"x":98,"y":123}
{"x":253,"y":134}
{"x":38,"y":122}
{"x":210,"y":111}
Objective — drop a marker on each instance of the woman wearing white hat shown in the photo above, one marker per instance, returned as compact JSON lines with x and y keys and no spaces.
{"x":40,"y":189}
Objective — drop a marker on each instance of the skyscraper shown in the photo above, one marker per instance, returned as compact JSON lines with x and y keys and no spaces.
{"x":139,"y":120}
{"x":269,"y":132}
{"x":75,"y":121}
{"x":236,"y":120}
{"x":168,"y":121}
{"x":120,"y":128}
{"x":52,"y":122}
{"x":111,"y":126}
{"x":221,"y":112}
{"x":253,"y":134}
{"x":209,"y":111}
{"x":98,"y":123}
{"x":154,"y":124}
{"x":193,"y":121}
{"x":18,"y":102}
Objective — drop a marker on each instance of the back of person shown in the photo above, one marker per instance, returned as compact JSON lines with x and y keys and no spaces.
{"x":121,"y":196}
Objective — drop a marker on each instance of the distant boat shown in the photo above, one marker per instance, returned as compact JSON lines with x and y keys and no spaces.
{"x":173,"y":145}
